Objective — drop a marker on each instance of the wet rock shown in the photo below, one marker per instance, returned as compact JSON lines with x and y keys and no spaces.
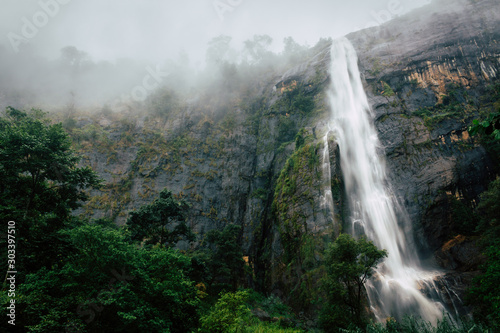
{"x":460,"y":253}
{"x":453,"y":290}
{"x":262,"y":315}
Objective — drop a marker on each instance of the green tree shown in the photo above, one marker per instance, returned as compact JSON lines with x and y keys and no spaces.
{"x":38,"y":167}
{"x":298,"y":99}
{"x":110,"y":285}
{"x":228,"y":314}
{"x":225,"y":261}
{"x":349,"y":263}
{"x":161,"y":222}
{"x":41,"y":184}
{"x":484,"y":293}
{"x":488,"y":128}
{"x":489,"y":210}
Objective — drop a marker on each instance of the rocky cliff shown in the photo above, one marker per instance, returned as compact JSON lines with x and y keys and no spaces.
{"x":440,"y":55}
{"x":253,"y":156}
{"x":427,"y":75}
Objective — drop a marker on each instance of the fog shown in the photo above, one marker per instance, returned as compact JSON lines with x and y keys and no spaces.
{"x":55,"y":52}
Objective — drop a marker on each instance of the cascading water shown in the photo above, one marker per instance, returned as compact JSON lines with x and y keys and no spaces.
{"x":326,"y":186}
{"x":398,"y":285}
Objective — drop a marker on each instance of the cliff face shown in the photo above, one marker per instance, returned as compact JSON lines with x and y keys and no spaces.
{"x":257,"y":159}
{"x":442,"y":54}
{"x":223,"y":153}
{"x":432,"y":68}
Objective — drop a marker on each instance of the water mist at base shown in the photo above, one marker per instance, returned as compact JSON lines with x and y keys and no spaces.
{"x":398,"y":287}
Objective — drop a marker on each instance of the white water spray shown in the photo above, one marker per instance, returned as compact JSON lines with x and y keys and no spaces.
{"x":397,"y":288}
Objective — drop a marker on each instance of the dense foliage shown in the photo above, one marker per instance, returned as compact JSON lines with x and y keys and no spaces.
{"x":349,"y":263}
{"x":161,"y":222}
{"x":41,"y":184}
{"x":485,"y":291}
{"x":110,"y":285}
{"x":92,"y":276}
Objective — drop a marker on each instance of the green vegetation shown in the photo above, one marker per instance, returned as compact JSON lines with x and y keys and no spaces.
{"x":163,"y":103}
{"x":377,"y":66}
{"x":161,"y":222}
{"x":93,"y":276}
{"x":387,"y":90}
{"x":300,"y":264}
{"x":438,"y":113}
{"x":228,"y":314}
{"x":485,"y":292}
{"x":260,"y":193}
{"x":232,"y":313}
{"x":41,"y":184}
{"x":225,"y":258}
{"x":301,"y":166}
{"x":295,"y":99}
{"x":349,"y":263}
{"x":109,"y":285}
{"x":464,"y":220}
{"x":299,"y":139}
{"x":488,"y":127}
{"x":454,"y":105}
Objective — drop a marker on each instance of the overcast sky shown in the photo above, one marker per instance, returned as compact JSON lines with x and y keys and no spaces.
{"x":157,"y":30}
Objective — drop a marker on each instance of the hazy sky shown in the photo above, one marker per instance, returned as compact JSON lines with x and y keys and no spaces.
{"x":156,"y":30}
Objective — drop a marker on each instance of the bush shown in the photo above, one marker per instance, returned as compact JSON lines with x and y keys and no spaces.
{"x":228,"y":315}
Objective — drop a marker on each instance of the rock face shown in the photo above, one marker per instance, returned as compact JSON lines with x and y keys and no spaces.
{"x":442,"y":54}
{"x":257,"y":161}
{"x":448,"y":48}
{"x":224,"y":154}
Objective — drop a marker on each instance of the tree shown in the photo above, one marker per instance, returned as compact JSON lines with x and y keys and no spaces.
{"x":226,"y":257}
{"x":487,"y":127}
{"x":228,"y":314}
{"x":292,"y":50}
{"x":38,"y":167}
{"x":257,"y":48}
{"x":161,"y":222}
{"x":218,"y":51}
{"x":484,"y":293}
{"x":163,"y":102}
{"x":73,"y":57}
{"x":110,"y":285}
{"x":41,"y":184}
{"x":349,"y":264}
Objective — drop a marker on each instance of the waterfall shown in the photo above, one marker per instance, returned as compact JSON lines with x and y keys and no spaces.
{"x":400,"y":281}
{"x":326,"y":200}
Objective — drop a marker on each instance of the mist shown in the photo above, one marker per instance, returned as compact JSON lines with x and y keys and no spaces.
{"x":60,"y":53}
